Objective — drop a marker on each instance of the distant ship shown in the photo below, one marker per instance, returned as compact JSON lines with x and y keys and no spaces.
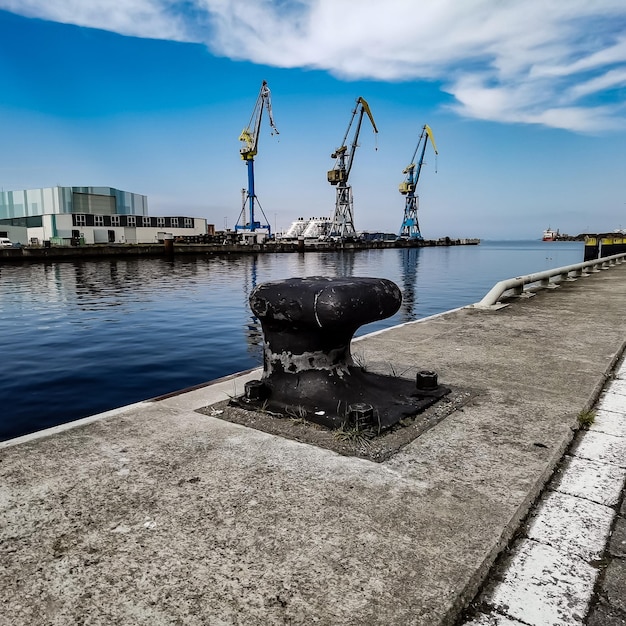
{"x":550,"y":235}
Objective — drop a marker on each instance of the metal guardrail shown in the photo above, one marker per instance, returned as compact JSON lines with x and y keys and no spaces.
{"x":569,"y":272}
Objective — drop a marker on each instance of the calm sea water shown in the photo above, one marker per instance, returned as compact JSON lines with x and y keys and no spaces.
{"x":83,"y":337}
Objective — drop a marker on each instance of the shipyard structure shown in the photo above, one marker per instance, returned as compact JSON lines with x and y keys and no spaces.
{"x":73,"y":216}
{"x":104,"y":217}
{"x":58,"y":217}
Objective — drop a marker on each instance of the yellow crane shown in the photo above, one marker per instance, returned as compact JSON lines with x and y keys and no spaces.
{"x":342,"y":224}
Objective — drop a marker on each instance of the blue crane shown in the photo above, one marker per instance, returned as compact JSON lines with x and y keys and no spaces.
{"x":410,"y":226}
{"x":250,"y":138}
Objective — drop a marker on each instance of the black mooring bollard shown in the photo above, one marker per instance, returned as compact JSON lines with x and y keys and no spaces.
{"x":308,"y":323}
{"x":308,"y":370}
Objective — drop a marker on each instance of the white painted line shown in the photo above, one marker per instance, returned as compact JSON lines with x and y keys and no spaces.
{"x":618,"y":386}
{"x":612,"y":402}
{"x":598,"y":482}
{"x":542,"y":587}
{"x":495,"y":619}
{"x":548,"y":580}
{"x":609,"y":423}
{"x":573,"y":526}
{"x":603,"y":448}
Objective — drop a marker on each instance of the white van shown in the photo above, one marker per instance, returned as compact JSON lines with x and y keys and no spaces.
{"x":5,"y":242}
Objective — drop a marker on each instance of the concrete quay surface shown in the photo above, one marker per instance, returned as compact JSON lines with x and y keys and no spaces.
{"x":158,"y":514}
{"x":566,"y":566}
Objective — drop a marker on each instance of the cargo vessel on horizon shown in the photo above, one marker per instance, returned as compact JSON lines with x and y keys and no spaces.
{"x":550,"y":235}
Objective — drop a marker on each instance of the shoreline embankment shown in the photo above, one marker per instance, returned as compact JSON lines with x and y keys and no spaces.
{"x":166,"y":511}
{"x":40,"y":253}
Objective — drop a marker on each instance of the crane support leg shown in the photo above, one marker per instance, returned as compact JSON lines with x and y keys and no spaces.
{"x":251,"y":194}
{"x":410,"y":225}
{"x":343,"y":219}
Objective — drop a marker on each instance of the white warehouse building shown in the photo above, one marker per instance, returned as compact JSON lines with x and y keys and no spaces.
{"x":87,"y":215}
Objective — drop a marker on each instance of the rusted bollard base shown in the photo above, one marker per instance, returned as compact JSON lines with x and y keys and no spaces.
{"x":308,"y":371}
{"x":328,"y":400}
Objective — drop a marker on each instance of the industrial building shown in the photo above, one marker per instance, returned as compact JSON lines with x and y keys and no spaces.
{"x":87,"y":215}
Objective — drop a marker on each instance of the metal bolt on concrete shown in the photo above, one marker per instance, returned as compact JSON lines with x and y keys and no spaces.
{"x":548,"y":579}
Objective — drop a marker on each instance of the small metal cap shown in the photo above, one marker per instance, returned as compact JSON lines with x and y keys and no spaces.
{"x":255,"y":390}
{"x":360,"y":414}
{"x":426,"y":380}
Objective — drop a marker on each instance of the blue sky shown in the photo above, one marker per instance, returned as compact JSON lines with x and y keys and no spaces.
{"x":526,"y":101}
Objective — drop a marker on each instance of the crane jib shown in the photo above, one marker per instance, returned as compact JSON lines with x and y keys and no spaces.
{"x":250,"y":135}
{"x":345,"y":159}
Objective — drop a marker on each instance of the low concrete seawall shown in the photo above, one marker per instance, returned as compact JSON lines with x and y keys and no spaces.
{"x":160,"y":514}
{"x":60,"y":253}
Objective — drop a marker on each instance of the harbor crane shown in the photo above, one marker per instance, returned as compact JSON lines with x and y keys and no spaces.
{"x":250,"y":139}
{"x":342,"y":224}
{"x":410,"y":226}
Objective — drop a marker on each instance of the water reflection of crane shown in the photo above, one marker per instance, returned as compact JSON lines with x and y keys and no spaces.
{"x":343,"y":220}
{"x":250,"y":138}
{"x":409,"y":258}
{"x":331,"y":263}
{"x":254,"y":332}
{"x":410,"y":225}
{"x":344,"y":263}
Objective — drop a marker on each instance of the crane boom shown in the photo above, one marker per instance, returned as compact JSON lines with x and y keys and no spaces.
{"x":345,"y":159}
{"x":410,"y":225}
{"x":250,"y":134}
{"x":342,"y":224}
{"x":250,"y":139}
{"x":427,"y":133}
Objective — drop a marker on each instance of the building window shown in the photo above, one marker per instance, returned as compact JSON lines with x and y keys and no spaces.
{"x":161,"y":222}
{"x":174,"y":222}
{"x":188,"y":222}
{"x":98,"y":220}
{"x":115,"y":220}
{"x":80,"y":220}
{"x":145,"y":221}
{"x":131,"y":220}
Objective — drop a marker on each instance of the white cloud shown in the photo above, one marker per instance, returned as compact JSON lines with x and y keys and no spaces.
{"x":139,"y":18}
{"x":592,"y":119}
{"x":608,"y":80}
{"x":537,"y":61}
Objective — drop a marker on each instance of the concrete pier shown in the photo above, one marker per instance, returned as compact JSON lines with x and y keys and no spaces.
{"x":169,"y":247}
{"x":160,"y":514}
